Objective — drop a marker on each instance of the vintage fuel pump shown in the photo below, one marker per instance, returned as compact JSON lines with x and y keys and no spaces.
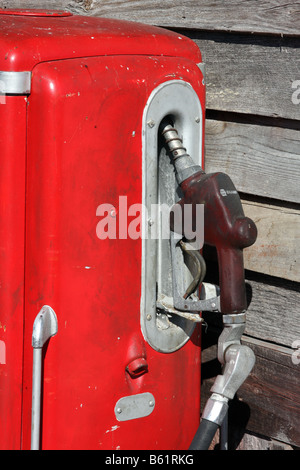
{"x":104,"y":210}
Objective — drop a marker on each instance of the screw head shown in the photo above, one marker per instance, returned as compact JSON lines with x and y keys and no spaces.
{"x":151,"y":123}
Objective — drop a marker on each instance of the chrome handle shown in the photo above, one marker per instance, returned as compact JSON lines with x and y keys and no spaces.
{"x":44,"y":327}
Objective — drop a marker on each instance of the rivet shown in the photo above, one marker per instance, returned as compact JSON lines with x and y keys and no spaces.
{"x":119,"y":410}
{"x":149,"y":317}
{"x":151,"y":403}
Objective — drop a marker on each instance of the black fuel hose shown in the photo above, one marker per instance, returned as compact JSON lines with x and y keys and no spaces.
{"x":204,"y":435}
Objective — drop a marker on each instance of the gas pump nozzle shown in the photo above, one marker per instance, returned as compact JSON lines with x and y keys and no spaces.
{"x":229,"y":231}
{"x":225,"y":225}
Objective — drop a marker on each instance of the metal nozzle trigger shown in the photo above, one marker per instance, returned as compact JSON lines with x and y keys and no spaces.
{"x":181,"y":302}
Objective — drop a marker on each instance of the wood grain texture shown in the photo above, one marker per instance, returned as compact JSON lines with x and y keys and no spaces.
{"x":277,"y":249}
{"x":261,"y":160}
{"x":272,"y":17}
{"x":268,"y":403}
{"x":253,"y":442}
{"x":245,"y":73}
{"x":273,"y":313}
{"x":251,"y":74}
{"x":273,"y":306}
{"x":250,"y":442}
{"x":273,"y":393}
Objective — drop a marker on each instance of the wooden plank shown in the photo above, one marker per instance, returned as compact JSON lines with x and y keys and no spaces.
{"x":273,"y":16}
{"x":277,"y":249}
{"x":261,"y":160}
{"x":250,"y":442}
{"x":273,"y":313}
{"x":273,"y":305}
{"x":273,"y":393}
{"x":245,"y":73}
{"x":251,"y":75}
{"x":268,"y":403}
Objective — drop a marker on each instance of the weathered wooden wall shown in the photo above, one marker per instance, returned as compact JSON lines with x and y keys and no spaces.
{"x":252,"y":56}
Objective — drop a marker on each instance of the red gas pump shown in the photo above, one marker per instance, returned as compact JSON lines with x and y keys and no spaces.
{"x":99,"y":333}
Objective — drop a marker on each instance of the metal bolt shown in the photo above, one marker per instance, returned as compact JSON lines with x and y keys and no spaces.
{"x":151,"y":123}
{"x":150,"y":222}
{"x":151,"y":403}
{"x":197,"y":119}
{"x":149,"y":317}
{"x":119,"y":410}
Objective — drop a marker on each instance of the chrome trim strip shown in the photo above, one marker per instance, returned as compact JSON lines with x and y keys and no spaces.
{"x":178,"y":99}
{"x":15,"y":83}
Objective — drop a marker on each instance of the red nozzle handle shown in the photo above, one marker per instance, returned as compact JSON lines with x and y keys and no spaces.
{"x":226,"y":228}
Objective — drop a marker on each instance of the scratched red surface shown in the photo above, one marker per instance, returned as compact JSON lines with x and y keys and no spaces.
{"x":72,"y":144}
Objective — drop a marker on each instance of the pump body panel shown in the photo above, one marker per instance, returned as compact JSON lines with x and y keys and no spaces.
{"x":72,"y":145}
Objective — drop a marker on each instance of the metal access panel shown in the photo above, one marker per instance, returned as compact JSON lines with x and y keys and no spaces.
{"x":73,"y":163}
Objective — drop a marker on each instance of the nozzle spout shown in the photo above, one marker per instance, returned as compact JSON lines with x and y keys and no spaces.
{"x":183,"y":162}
